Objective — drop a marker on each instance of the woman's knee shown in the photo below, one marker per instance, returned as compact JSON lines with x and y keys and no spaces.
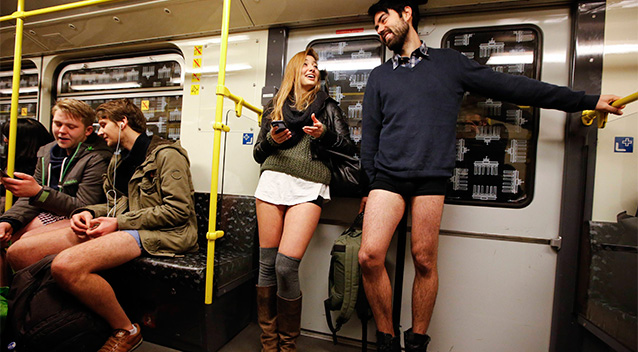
{"x":286,"y":266}
{"x":287,"y":269}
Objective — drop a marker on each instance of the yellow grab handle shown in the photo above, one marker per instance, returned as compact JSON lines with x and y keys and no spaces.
{"x":589,"y":116}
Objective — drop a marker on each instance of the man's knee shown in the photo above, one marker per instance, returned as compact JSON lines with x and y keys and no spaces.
{"x":18,"y":256}
{"x":64,"y":269}
{"x":370,"y":261}
{"x":424,"y":263}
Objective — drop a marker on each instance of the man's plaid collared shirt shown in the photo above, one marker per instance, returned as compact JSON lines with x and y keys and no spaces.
{"x":416,"y":57}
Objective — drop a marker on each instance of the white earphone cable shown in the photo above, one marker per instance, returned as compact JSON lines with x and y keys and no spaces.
{"x":112,"y":211}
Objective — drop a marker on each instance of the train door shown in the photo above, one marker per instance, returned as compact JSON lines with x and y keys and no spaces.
{"x":501,"y":260}
{"x":497,"y":251}
{"x":606,"y":304}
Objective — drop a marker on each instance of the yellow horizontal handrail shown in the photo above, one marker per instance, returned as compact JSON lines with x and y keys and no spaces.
{"x":589,"y":116}
{"x":239,"y":102}
{"x":73,"y":5}
{"x":626,"y":100}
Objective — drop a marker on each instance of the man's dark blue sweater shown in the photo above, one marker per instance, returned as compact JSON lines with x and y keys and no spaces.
{"x":409,"y":115}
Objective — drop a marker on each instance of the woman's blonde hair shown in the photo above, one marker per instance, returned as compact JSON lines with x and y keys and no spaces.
{"x":291,"y":86}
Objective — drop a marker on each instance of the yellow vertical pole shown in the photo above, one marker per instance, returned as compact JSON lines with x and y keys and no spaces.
{"x":15,"y":94}
{"x":212,"y":216}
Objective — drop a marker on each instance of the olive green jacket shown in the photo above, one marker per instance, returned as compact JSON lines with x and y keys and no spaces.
{"x":160,"y":202}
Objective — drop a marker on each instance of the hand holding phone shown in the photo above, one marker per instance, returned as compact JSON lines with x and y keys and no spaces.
{"x":3,"y":173}
{"x":281,"y":126}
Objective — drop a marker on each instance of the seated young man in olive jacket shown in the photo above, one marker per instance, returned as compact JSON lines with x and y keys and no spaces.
{"x":150,"y":210}
{"x":68,"y":175}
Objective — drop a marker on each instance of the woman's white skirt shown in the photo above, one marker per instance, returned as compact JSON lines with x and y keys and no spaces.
{"x":283,"y":189}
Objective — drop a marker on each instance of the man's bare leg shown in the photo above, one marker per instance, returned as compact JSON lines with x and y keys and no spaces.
{"x":75,"y":269}
{"x":426,"y":220}
{"x":36,"y":227}
{"x":31,"y":249}
{"x":383,"y":212}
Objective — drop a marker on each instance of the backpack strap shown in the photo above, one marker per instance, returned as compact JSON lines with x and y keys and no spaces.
{"x":326,"y":305}
{"x":353,"y":280}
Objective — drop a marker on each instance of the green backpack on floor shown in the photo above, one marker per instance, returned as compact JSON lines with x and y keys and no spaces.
{"x":345,"y":288}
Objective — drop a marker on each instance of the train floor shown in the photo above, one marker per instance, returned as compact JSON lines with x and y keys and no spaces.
{"x":248,"y":341}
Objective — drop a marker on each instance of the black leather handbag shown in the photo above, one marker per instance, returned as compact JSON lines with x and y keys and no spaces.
{"x":346,"y":175}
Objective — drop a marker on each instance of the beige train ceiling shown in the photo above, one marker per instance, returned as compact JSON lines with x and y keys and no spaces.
{"x":134,"y":21}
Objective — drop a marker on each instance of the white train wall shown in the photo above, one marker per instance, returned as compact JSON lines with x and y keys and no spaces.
{"x":494,"y":295}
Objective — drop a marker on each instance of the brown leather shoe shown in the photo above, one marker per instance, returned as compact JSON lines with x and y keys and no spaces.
{"x":123,"y":341}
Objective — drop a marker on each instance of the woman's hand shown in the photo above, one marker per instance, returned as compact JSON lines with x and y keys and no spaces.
{"x":316,"y":130}
{"x":280,"y":136}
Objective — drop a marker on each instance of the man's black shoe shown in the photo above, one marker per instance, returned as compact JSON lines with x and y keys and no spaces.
{"x":416,"y":342}
{"x":387,"y":343}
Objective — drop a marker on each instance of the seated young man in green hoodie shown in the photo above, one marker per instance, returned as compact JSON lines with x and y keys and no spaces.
{"x":68,"y":175}
{"x":150,"y":210}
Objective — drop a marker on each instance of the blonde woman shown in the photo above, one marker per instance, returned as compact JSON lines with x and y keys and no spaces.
{"x":299,"y":125}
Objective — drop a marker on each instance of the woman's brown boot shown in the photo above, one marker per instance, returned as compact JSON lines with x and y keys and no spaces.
{"x":288,"y":323}
{"x":267,"y":317}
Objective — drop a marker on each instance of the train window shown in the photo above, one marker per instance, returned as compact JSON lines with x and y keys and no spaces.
{"x":28,"y":94}
{"x":348,"y":62}
{"x":28,"y":98}
{"x":496,"y":140}
{"x":154,"y":83}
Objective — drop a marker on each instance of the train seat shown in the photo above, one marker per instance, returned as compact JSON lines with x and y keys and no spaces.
{"x":611,"y":295}
{"x":166,"y":294}
{"x":233,"y":253}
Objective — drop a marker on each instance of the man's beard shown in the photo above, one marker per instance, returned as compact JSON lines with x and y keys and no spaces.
{"x":398,"y":37}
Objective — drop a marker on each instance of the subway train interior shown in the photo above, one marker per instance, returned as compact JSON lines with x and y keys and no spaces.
{"x":531,"y":256}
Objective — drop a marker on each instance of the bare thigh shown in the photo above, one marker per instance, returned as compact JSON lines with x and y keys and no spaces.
{"x":33,"y":224}
{"x":31,"y":249}
{"x":383,"y":212}
{"x":34,"y":229}
{"x":270,"y":220}
{"x":105,"y":252}
{"x":300,"y":222}
{"x":426,"y":220}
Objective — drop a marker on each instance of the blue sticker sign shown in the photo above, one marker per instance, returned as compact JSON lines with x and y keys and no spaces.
{"x":624,"y":145}
{"x":248,"y":139}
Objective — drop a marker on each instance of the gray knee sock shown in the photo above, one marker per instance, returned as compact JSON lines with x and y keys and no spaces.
{"x":267,"y":276}
{"x":287,"y":269}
